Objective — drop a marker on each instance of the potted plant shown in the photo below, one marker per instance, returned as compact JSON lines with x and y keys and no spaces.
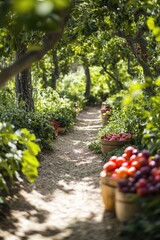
{"x":62,"y":119}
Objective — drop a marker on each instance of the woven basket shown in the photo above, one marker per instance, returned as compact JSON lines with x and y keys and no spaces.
{"x":108,"y":146}
{"x":108,"y":187}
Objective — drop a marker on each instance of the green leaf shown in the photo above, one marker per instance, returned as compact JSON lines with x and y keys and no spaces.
{"x":60,"y":4}
{"x":31,"y":173}
{"x":33,"y":148}
{"x":156,"y":31}
{"x":23,"y":6}
{"x":29,"y":159}
{"x":157,"y":82}
{"x":150,"y":23}
{"x":158,"y":38}
{"x":127,"y":100}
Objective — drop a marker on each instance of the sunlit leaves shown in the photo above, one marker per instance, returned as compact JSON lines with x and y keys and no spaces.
{"x":150,"y":23}
{"x":32,"y":14}
{"x":23,"y":6}
{"x":18,"y":154}
{"x":157,"y":82}
{"x":135,"y":91}
{"x":61,"y":4}
{"x":155,"y":29}
{"x":42,"y":7}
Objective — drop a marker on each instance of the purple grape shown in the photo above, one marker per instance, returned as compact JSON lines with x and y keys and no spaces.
{"x":137,"y":175}
{"x":124,"y":189}
{"x":157,"y":159}
{"x":158,"y":187}
{"x":135,"y":152}
{"x":132,"y":189}
{"x":153,"y":164}
{"x":123,"y":183}
{"x":145,"y":170}
{"x":146,"y":154}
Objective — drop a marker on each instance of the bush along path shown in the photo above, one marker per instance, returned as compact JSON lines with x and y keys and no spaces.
{"x":65,"y":201}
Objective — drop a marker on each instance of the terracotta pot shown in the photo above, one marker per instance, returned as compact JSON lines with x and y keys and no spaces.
{"x":61,"y":130}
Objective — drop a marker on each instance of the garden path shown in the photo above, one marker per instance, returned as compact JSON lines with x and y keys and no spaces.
{"x":65,"y":201}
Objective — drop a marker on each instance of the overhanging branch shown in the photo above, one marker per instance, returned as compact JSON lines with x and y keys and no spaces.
{"x":26,"y":61}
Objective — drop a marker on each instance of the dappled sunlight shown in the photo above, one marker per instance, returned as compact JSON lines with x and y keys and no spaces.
{"x":78,"y":151}
{"x":55,"y":217}
{"x":65,"y":201}
{"x":87,"y":128}
{"x":76,"y":142}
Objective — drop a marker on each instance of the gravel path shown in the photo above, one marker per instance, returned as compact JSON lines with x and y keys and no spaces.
{"x":65,"y":202}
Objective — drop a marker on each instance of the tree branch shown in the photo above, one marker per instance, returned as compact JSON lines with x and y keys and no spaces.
{"x":49,"y":41}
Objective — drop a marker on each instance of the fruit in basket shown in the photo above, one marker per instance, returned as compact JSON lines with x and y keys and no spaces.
{"x":109,"y":166}
{"x":105,"y":108}
{"x":117,"y":137}
{"x":137,"y":172}
{"x":122,"y":172}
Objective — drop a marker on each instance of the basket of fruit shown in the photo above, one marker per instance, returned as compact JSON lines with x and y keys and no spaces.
{"x":105,"y":113}
{"x":115,"y":169}
{"x":138,"y":179}
{"x":128,"y":179}
{"x":115,"y":140}
{"x":108,"y":186}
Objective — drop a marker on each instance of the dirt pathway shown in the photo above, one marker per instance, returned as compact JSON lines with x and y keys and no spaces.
{"x":65,"y":202}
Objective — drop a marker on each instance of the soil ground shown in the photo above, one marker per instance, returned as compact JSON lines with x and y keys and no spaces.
{"x":65,"y":201}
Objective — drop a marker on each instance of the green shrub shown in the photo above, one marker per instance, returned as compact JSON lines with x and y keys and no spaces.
{"x":145,"y":225}
{"x":95,"y":147}
{"x":130,"y":119}
{"x":36,"y":122}
{"x":64,"y":116}
{"x":151,"y":134}
{"x":18,"y":155}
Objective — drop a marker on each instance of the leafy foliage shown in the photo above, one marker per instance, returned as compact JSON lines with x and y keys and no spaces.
{"x":64,"y":117}
{"x":95,"y":147}
{"x":123,"y":118}
{"x":36,"y":122}
{"x":18,"y":154}
{"x":147,"y":222}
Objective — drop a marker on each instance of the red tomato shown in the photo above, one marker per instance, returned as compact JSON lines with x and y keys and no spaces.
{"x":135,"y":164}
{"x":122,"y":172}
{"x":114,"y":175}
{"x":132,"y":158}
{"x":113,"y":158}
{"x":131,"y":171}
{"x":119,"y":161}
{"x":109,"y":166}
{"x":125,"y":164}
{"x":124,"y":155}
{"x":129,"y":151}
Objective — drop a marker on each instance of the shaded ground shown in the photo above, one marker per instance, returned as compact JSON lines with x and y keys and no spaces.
{"x":65,"y":202}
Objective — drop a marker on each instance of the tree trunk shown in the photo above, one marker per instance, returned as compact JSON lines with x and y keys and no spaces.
{"x":141,"y":55}
{"x":88,"y":80}
{"x":23,"y":81}
{"x":117,"y":83}
{"x":44,"y":77}
{"x":55,"y":73}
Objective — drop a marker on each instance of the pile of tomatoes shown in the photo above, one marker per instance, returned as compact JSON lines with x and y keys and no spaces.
{"x":136,"y":172}
{"x":117,"y":137}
